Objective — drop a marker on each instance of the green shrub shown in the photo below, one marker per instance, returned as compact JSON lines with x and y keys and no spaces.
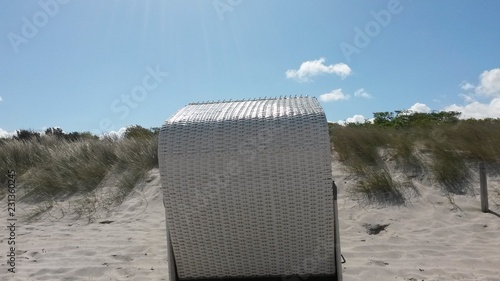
{"x":138,"y":132}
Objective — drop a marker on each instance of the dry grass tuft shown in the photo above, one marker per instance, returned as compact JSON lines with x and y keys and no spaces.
{"x":379,"y":188}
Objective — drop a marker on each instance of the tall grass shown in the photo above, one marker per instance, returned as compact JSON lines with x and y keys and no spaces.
{"x":364,"y":150}
{"x":450,"y":169}
{"x":135,"y":158}
{"x":378,"y":187}
{"x":49,"y":167}
{"x":358,"y":147}
{"x":451,"y":145}
{"x":478,"y":140}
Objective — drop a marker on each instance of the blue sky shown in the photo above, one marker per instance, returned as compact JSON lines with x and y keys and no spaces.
{"x":100,"y":66}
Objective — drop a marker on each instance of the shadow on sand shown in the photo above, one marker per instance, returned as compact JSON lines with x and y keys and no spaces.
{"x":493,"y":213}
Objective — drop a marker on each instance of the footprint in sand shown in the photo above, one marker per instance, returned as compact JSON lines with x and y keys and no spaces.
{"x":122,"y":258}
{"x":374,"y":229}
{"x":379,"y":263}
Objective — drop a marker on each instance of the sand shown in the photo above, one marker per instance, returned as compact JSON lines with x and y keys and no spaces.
{"x":129,"y":245}
{"x":429,"y":239}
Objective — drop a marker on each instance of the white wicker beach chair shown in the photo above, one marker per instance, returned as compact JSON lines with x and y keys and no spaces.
{"x":248,"y":191}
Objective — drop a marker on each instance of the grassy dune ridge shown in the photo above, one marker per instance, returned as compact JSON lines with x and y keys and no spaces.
{"x":442,"y":150}
{"x":53,"y":166}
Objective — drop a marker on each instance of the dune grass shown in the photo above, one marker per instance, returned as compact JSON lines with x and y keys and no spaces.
{"x":452,"y":146}
{"x":51,"y":167}
{"x":378,"y":187}
{"x":365,"y":150}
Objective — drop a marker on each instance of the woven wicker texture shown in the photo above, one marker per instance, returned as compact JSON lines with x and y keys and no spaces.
{"x":248,"y":188}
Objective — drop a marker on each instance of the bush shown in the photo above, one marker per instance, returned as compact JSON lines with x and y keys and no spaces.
{"x":138,"y":132}
{"x":26,"y":135}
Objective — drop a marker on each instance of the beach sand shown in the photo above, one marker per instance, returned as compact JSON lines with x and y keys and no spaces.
{"x":129,"y":245}
{"x":429,"y":239}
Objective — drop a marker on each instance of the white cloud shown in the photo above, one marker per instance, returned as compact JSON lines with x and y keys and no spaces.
{"x":334,"y":95}
{"x":120,"y":133}
{"x":356,"y":119}
{"x":466,"y":86}
{"x":313,"y":68}
{"x":1,"y":99}
{"x":489,"y":84}
{"x":478,"y":110}
{"x":361,"y":93}
{"x":117,"y":135}
{"x":5,"y":134}
{"x":419,"y":108}
{"x":489,"y":87}
{"x":337,"y":95}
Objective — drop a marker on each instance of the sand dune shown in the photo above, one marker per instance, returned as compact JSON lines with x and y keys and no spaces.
{"x":430,"y":239}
